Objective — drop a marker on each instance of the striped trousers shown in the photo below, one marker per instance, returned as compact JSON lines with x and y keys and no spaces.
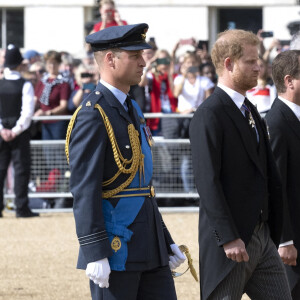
{"x":263,"y":277}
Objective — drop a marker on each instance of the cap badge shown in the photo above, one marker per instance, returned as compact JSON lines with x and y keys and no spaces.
{"x":144,"y":34}
{"x":116,"y":243}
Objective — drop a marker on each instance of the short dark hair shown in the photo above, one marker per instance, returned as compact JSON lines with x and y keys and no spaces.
{"x":207,"y":64}
{"x":53,"y":55}
{"x":285,"y":63}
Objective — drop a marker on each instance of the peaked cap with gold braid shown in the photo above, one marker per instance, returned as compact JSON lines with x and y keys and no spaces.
{"x":124,"y":165}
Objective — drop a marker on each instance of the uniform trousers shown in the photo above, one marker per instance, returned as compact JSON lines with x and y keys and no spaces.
{"x":156,"y":284}
{"x":17,"y":150}
{"x":263,"y":277}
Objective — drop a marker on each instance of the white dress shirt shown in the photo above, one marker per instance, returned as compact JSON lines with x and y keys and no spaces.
{"x":238,"y":100}
{"x":121,"y":96}
{"x":293,"y":106}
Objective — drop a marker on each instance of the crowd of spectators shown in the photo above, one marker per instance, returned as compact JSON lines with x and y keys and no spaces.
{"x":175,"y":82}
{"x":170,"y":84}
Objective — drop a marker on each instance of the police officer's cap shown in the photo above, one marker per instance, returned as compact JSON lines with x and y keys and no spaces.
{"x":13,"y":57}
{"x":127,"y":37}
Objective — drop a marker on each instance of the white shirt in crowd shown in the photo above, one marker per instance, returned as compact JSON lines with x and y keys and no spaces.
{"x":192,"y":95}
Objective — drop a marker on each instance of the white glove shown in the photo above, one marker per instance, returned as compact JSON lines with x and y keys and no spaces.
{"x":98,"y":272}
{"x":177,"y":259}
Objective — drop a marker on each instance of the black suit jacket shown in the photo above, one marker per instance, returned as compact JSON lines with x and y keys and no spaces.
{"x":284,"y":130}
{"x":233,"y":179}
{"x":92,"y":162}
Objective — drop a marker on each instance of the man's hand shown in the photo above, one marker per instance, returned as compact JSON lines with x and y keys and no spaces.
{"x":98,"y":272}
{"x":236,"y":250}
{"x":177,"y":259}
{"x":288,"y":255}
{"x":7,"y":135}
{"x":118,"y":17}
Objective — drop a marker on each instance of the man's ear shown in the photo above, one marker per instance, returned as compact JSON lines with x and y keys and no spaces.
{"x":288,"y":81}
{"x":110,"y":58}
{"x":228,"y":64}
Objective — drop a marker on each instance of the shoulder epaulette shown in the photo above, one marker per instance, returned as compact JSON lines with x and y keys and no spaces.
{"x":91,"y":100}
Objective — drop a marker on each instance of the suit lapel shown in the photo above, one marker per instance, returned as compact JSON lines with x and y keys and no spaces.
{"x":241,"y":125}
{"x":289,"y":115}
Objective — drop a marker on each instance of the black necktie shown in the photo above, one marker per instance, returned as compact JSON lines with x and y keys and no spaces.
{"x":132,"y":116}
{"x":130,"y":110}
{"x":250,"y":119}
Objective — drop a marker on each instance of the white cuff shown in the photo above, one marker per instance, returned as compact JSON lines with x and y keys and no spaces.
{"x":287,"y":243}
{"x":17,"y":129}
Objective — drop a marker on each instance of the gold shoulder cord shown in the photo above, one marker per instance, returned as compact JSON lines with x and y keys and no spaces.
{"x":136,"y":161}
{"x":69,"y":130}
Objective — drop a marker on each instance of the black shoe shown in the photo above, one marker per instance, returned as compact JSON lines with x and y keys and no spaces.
{"x":26,"y":213}
{"x":1,"y":215}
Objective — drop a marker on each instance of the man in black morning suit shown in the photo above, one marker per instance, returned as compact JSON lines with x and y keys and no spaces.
{"x":284,"y":126}
{"x":240,"y":213}
{"x":125,"y":247}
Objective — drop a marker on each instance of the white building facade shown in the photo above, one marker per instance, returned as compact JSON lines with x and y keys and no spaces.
{"x":60,"y":24}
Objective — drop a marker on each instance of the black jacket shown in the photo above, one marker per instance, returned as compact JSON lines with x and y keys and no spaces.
{"x":236,"y":180}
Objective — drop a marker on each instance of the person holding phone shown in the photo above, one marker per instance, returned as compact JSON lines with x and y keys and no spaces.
{"x":159,"y":76}
{"x":202,"y":51}
{"x":191,"y":89}
{"x":109,"y":16}
{"x":86,"y":78}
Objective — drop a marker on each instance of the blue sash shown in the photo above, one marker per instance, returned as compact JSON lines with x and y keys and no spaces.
{"x":118,"y":218}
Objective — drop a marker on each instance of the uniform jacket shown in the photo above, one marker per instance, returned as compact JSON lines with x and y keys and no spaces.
{"x":284,"y":129}
{"x":235,"y":178}
{"x":91,"y":163}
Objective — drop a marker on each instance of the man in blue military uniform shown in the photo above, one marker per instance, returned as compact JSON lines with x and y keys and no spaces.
{"x":125,"y":246}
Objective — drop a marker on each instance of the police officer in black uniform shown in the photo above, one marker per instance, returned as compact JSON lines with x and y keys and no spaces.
{"x":16,"y":110}
{"x":125,"y":247}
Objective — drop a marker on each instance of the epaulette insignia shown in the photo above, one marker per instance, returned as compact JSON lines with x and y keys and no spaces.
{"x":88,"y":103}
{"x":97,"y":93}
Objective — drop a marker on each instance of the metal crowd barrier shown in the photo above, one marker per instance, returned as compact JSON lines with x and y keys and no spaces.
{"x":172,"y":173}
